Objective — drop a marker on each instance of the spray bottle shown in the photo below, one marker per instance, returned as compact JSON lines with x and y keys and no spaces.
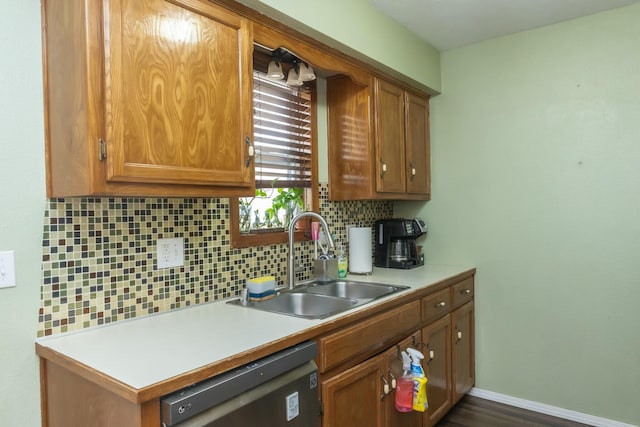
{"x":404,"y":387}
{"x":420,"y":403}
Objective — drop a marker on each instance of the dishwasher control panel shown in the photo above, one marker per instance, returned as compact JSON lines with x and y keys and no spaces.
{"x":260,"y":381}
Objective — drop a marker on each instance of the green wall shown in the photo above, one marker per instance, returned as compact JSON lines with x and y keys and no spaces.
{"x":536,"y":180}
{"x":22,"y":199}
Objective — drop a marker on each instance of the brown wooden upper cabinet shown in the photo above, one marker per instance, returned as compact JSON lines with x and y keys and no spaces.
{"x":378,"y":141}
{"x":147,"y":98}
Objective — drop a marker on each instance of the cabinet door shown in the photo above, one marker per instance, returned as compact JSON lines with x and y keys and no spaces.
{"x":350,"y":149}
{"x":389,"y":137}
{"x":353,"y":397}
{"x":178,"y":93}
{"x":418,"y":163}
{"x":393,"y":369}
{"x":463,"y":350}
{"x":437,"y":365}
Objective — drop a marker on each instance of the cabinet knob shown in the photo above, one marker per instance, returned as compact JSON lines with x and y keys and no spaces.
{"x":412,"y":170}
{"x":459,"y":335}
{"x":440,"y":304}
{"x":251,"y":151}
{"x":465,"y":291}
{"x":432,"y":354}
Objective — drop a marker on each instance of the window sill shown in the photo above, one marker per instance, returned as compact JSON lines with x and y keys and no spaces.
{"x":247,"y":240}
{"x":264,"y":238}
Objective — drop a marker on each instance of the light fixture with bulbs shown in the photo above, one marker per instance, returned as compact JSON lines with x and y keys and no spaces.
{"x":299,"y":71}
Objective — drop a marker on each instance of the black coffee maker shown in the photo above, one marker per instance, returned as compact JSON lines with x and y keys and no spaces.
{"x":395,"y":245}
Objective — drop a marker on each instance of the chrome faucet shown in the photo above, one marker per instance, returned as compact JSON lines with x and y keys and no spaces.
{"x":291,"y":271}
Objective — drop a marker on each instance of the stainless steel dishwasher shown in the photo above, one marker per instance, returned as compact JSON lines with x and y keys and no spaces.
{"x":280,"y":390}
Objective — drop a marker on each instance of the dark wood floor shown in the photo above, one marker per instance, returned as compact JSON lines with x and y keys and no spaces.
{"x":475,"y":412}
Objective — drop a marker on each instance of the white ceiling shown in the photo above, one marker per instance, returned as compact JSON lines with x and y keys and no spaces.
{"x":447,"y":24}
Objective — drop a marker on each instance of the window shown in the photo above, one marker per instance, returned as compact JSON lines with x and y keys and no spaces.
{"x":285,"y":163}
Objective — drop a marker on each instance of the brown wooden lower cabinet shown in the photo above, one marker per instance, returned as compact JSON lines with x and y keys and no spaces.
{"x":356,"y":395}
{"x":449,"y":360}
{"x":463,"y":348}
{"x":353,"y":397}
{"x":364,"y":395}
{"x":437,"y":366}
{"x":68,"y":400}
{"x":394,"y":370}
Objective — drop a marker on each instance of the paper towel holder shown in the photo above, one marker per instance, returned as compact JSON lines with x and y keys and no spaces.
{"x":360,"y":250}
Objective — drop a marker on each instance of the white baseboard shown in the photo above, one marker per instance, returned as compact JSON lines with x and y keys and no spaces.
{"x":547,"y":409}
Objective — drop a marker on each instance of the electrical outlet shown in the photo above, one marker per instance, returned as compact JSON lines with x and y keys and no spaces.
{"x":7,"y":269}
{"x":170,"y":252}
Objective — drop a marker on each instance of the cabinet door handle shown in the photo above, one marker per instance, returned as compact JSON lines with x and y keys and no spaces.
{"x":383,"y":167}
{"x":102,"y":149}
{"x":394,"y":383}
{"x":431,"y":354}
{"x":440,"y":304}
{"x":412,"y":170}
{"x":251,"y":151}
{"x":459,"y":335}
{"x":465,"y":291}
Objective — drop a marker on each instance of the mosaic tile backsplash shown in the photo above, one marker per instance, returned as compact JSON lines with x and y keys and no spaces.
{"x":99,"y":256}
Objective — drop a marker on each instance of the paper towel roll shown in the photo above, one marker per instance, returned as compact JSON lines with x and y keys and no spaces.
{"x":360,"y":261}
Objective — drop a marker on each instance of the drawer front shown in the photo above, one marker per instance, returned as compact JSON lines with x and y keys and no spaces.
{"x":367,"y":335}
{"x":436,"y":305}
{"x":462,"y":292}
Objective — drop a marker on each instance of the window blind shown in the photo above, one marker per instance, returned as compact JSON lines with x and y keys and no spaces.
{"x":282,"y":134}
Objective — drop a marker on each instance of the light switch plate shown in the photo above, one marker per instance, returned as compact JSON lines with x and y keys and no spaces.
{"x":170,"y":252}
{"x":7,"y":269}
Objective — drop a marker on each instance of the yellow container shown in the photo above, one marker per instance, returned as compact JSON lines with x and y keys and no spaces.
{"x":420,"y":403}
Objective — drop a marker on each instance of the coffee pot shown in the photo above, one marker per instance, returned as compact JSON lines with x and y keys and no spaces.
{"x":395,"y":243}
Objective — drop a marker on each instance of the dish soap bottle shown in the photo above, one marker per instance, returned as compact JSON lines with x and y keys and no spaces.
{"x":420,"y":403}
{"x":343,"y":264}
{"x":404,"y":388}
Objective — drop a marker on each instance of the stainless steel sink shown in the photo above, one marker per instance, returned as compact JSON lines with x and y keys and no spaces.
{"x":317,"y":300}
{"x":307,"y":305}
{"x":352,"y":290}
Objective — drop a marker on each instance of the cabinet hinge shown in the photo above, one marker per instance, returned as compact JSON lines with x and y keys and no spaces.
{"x":102,"y":149}
{"x":321,"y":407}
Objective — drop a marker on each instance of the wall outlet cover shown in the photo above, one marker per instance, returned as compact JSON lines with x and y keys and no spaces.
{"x":170,"y":252}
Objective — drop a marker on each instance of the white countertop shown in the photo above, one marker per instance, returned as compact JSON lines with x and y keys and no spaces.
{"x":144,"y":351}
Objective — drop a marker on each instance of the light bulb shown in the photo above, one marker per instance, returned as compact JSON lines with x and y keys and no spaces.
{"x":274,"y":71}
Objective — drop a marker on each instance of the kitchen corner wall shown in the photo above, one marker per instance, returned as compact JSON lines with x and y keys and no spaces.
{"x":100,"y":265}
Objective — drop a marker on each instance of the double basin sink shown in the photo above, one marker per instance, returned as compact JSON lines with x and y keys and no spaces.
{"x":317,"y":300}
